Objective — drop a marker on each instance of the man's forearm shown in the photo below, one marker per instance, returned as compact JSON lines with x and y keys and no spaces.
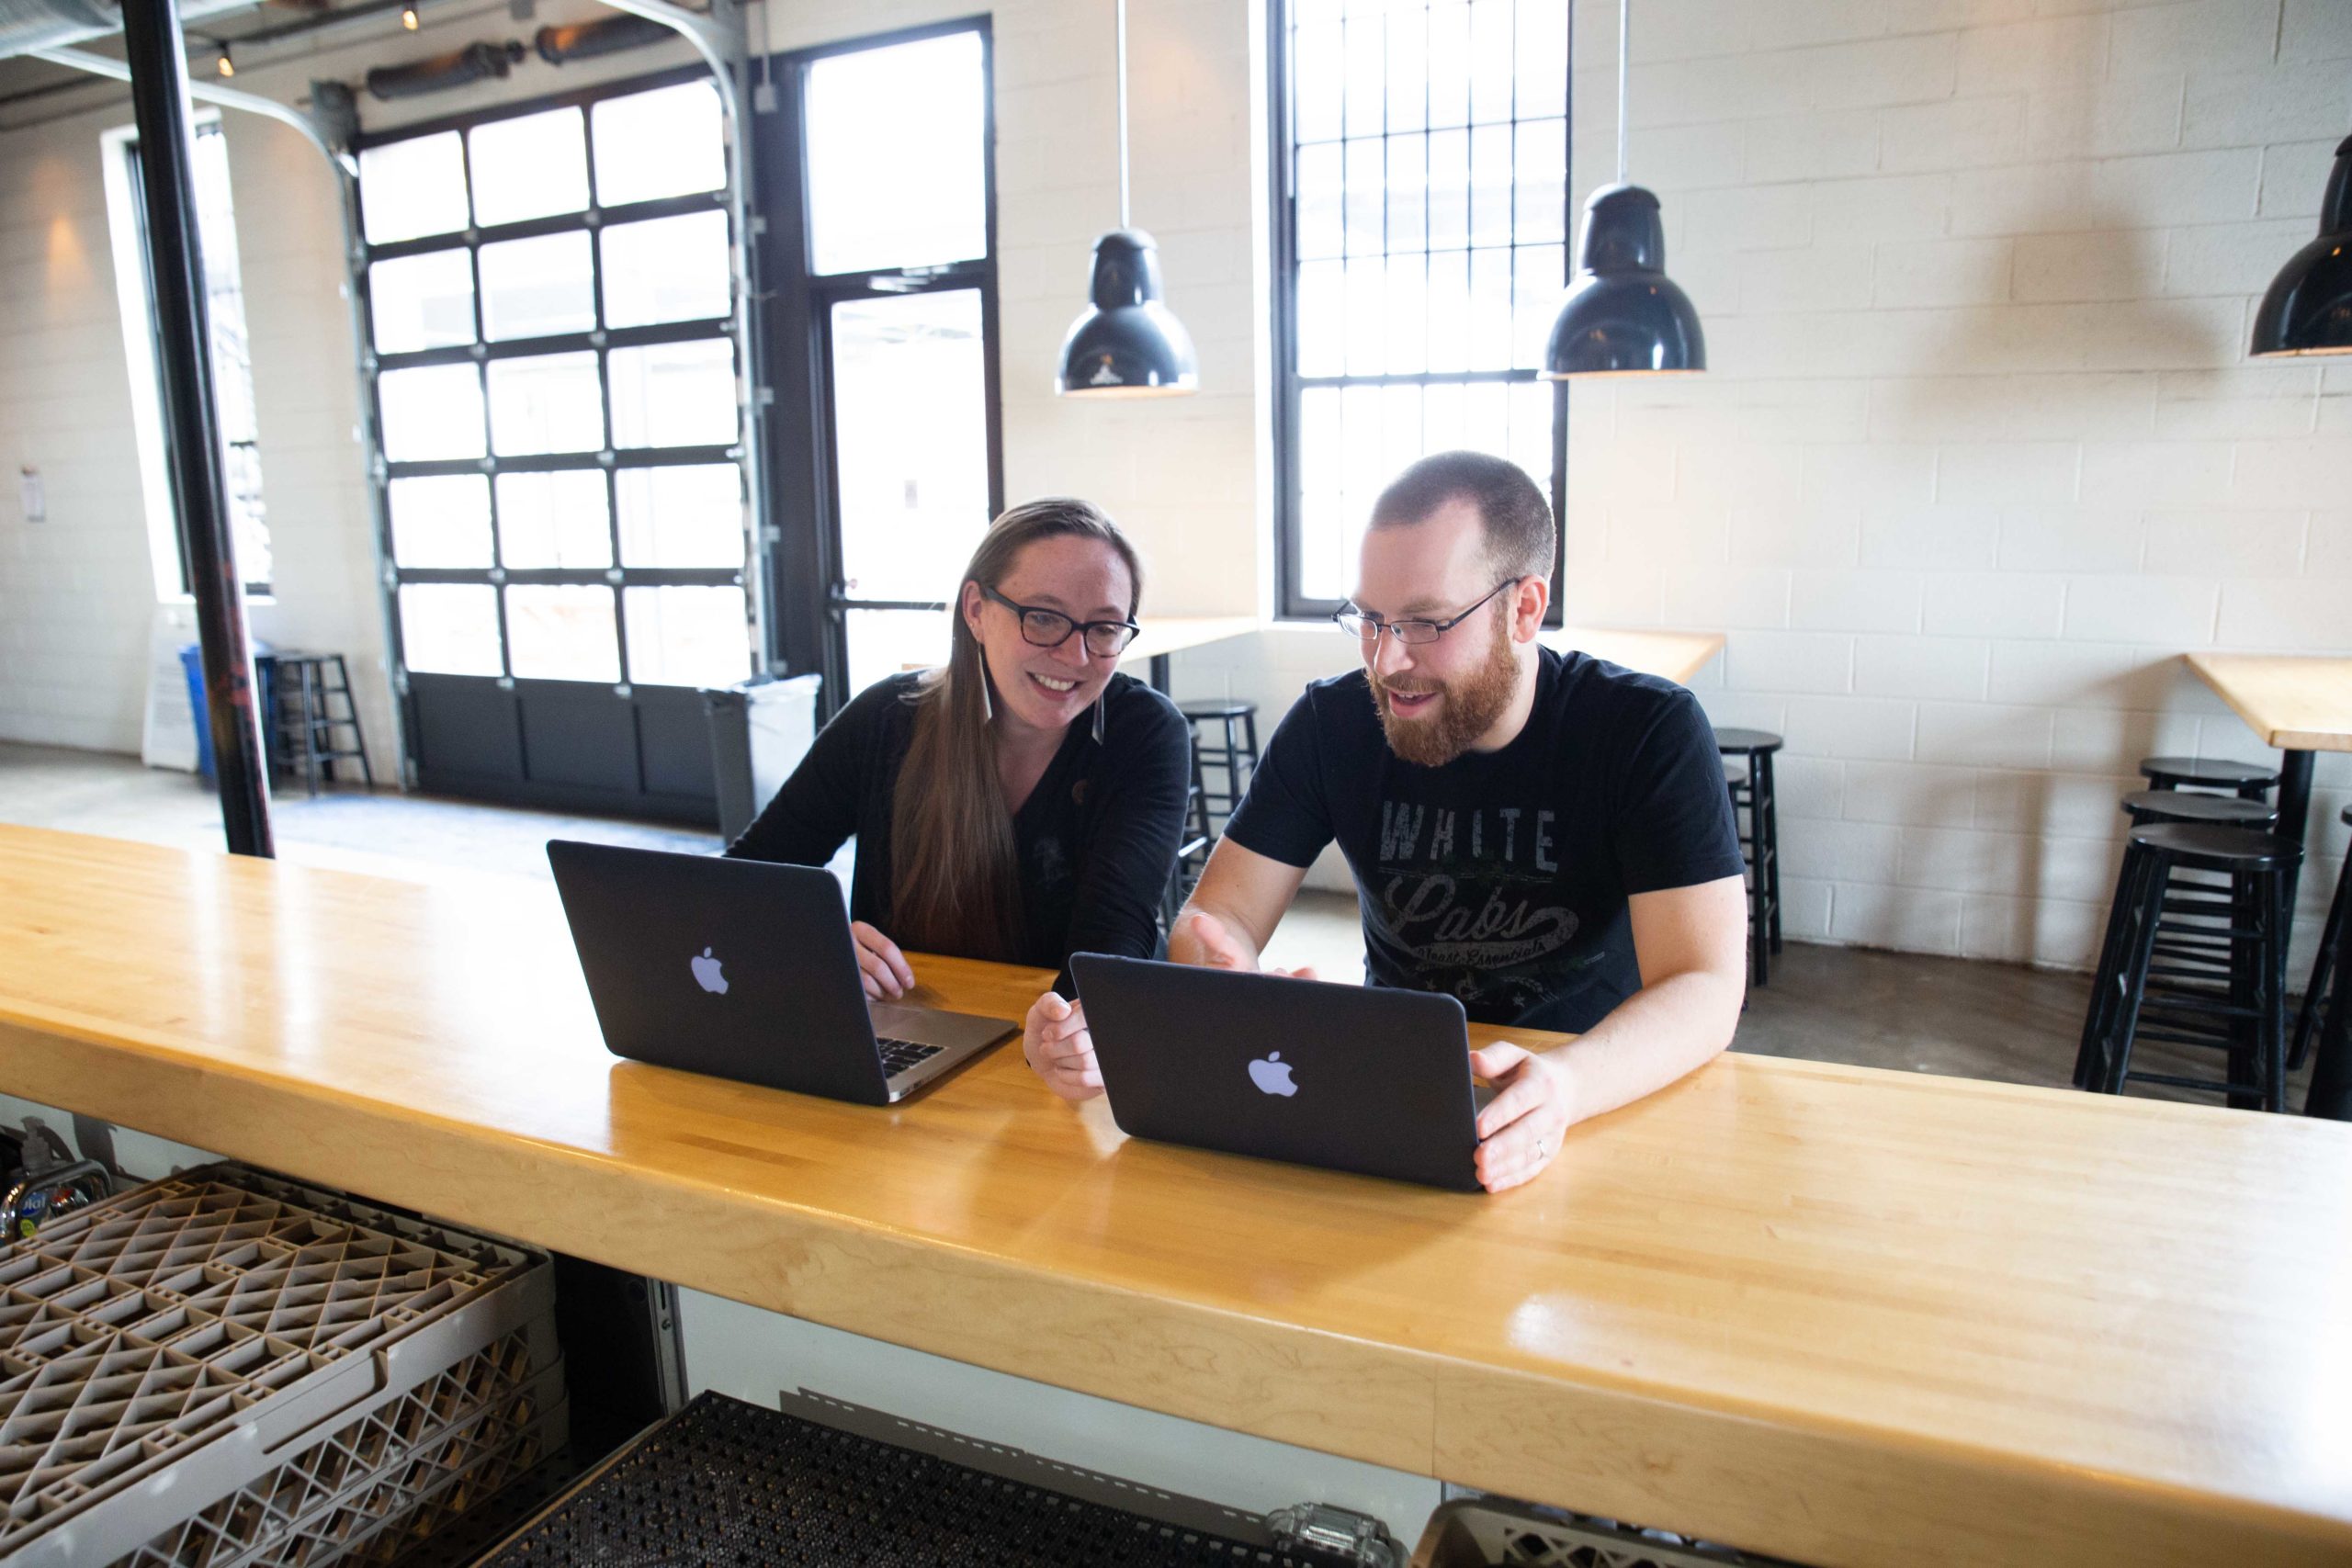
{"x":1655,"y":1036}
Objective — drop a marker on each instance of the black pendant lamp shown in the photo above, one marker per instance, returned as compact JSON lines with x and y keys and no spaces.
{"x":2309,"y":307}
{"x":1622,"y":315}
{"x":1128,"y":344}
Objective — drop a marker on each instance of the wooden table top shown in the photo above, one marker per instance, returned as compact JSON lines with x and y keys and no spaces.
{"x":1842,"y":1315}
{"x":1678,"y":656}
{"x":2296,"y":704}
{"x":1174,"y":634}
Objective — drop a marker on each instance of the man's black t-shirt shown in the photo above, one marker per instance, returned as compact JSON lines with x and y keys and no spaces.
{"x":1501,"y":877}
{"x":1095,"y":837}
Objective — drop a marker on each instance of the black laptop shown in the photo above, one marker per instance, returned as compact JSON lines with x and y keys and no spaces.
{"x":744,"y":969}
{"x":1351,"y":1078}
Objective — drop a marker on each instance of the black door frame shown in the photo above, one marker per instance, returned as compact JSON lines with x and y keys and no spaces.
{"x":801,"y":553}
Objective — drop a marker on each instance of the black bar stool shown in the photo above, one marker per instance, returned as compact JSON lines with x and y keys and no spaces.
{"x":2145,"y":806}
{"x":2193,"y":897}
{"x":2248,"y":781}
{"x":1759,"y":845}
{"x":2151,"y":986}
{"x":2316,"y":994}
{"x":1231,"y":750}
{"x":1192,"y":847}
{"x":308,"y":731}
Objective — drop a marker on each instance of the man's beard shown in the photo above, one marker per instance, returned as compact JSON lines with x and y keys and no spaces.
{"x":1468,"y":709}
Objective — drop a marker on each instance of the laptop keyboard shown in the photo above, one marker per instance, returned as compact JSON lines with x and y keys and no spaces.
{"x":897,"y":1055}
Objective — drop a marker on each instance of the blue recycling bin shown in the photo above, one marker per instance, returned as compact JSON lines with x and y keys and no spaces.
{"x":192,"y":662}
{"x":192,"y":665}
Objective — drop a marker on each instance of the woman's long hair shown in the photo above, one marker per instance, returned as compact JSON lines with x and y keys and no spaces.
{"x":955,"y":871}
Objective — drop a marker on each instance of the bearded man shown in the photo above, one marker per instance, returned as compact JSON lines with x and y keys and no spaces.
{"x":1545,"y":836}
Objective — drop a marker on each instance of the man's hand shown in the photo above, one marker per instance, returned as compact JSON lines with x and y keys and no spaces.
{"x":1216,"y":947}
{"x":1056,"y":1044}
{"x":1213,"y":942}
{"x":880,"y":964}
{"x":1519,"y":1132}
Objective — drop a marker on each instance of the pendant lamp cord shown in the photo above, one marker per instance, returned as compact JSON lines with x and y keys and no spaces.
{"x":1123,"y":116}
{"x":1624,"y":71}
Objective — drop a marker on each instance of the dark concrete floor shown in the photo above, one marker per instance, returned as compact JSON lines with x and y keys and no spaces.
{"x":1963,"y":1017}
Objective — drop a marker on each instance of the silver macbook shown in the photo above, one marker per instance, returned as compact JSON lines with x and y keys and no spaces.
{"x":745,"y":970}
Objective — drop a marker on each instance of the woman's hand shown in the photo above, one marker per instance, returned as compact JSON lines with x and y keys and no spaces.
{"x":1056,"y":1044}
{"x":880,"y":964}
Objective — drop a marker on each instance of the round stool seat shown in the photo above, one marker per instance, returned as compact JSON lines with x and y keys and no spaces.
{"x":2204,"y":847}
{"x":1747,"y":740}
{"x":2206,"y":773}
{"x":1208,"y":707}
{"x":2148,"y":806}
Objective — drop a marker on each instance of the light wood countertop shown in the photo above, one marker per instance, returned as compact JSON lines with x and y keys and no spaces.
{"x":1164,"y":635}
{"x":2296,"y":704}
{"x":1678,"y":656}
{"x":1842,"y":1315}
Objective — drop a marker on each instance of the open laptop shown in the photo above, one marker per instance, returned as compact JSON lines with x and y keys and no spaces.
{"x":744,"y":969}
{"x":1351,"y":1078}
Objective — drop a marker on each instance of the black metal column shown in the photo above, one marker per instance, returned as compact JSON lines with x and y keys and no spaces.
{"x":155,"y":50}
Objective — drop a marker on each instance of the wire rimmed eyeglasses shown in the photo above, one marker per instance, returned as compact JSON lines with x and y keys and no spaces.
{"x":1041,"y":627}
{"x":1365,"y":626}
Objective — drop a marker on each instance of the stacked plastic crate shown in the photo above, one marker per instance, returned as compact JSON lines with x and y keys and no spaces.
{"x":223,"y":1368}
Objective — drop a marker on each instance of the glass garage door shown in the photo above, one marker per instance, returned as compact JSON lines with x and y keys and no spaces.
{"x":550,"y":304}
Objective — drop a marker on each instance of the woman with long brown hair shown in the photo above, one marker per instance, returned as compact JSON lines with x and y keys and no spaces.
{"x":1021,"y":803}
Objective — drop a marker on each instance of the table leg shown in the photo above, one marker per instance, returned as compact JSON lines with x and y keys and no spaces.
{"x":2294,"y":811}
{"x":2331,"y":1090}
{"x":1160,"y":675}
{"x":2294,"y":794}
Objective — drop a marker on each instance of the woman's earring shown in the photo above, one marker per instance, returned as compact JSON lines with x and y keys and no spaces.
{"x":988,"y":705}
{"x":1099,"y":704}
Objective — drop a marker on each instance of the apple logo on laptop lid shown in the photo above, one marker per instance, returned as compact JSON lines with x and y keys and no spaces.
{"x":706,"y":973}
{"x":1272,"y":1075}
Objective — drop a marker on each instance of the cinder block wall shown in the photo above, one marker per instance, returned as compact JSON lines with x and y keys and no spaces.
{"x":1980,"y":454}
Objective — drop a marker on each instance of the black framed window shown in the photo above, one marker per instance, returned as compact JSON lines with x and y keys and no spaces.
{"x":550,"y":298}
{"x":1421,"y":243}
{"x":885,"y":447}
{"x":233,"y":360}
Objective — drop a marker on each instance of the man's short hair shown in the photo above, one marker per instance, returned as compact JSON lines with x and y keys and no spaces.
{"x":1521,"y":539}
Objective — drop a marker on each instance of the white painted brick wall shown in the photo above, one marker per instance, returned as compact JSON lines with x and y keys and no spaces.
{"x":2069,"y":466}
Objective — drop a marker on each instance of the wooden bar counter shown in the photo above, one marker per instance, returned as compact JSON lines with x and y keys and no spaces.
{"x":1837,"y":1314}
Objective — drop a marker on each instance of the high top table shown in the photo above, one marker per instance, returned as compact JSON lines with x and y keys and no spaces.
{"x":1678,"y":656}
{"x":1840,"y":1315}
{"x":2302,"y":705}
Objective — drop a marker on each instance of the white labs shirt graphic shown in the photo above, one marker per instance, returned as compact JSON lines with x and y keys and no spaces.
{"x":1501,"y":878}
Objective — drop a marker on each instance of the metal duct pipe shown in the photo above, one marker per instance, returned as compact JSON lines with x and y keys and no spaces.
{"x":587,"y":40}
{"x":443,"y":72}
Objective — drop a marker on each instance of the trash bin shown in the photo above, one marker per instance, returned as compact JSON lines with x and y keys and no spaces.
{"x":759,"y":731}
{"x":192,"y":665}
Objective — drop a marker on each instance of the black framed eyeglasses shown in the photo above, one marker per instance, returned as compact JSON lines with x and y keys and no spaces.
{"x":1041,"y":627}
{"x":1366,"y":627}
